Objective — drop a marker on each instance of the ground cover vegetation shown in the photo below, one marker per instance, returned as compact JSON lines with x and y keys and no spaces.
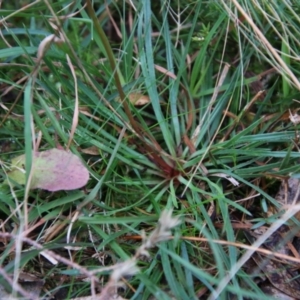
{"x":184,"y":114}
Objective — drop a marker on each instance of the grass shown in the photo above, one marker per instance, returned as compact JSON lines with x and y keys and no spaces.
{"x":209,"y":143}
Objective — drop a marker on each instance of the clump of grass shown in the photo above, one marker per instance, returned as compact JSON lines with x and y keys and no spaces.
{"x":208,"y":142}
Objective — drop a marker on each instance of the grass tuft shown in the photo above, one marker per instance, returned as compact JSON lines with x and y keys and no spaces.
{"x":214,"y":140}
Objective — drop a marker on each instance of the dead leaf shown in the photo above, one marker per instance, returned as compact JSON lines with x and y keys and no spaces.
{"x":295,"y":119}
{"x":189,"y":143}
{"x":137,"y":99}
{"x":53,"y":170}
{"x":195,"y":135}
{"x":288,"y":194}
{"x":93,"y":150}
{"x":229,"y":178}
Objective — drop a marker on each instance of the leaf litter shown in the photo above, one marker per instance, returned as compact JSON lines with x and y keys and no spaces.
{"x":283,"y":282}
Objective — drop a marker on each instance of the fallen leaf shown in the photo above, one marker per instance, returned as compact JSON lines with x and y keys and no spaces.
{"x":53,"y":170}
{"x":93,"y":150}
{"x":136,"y":99}
{"x":295,"y":119}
